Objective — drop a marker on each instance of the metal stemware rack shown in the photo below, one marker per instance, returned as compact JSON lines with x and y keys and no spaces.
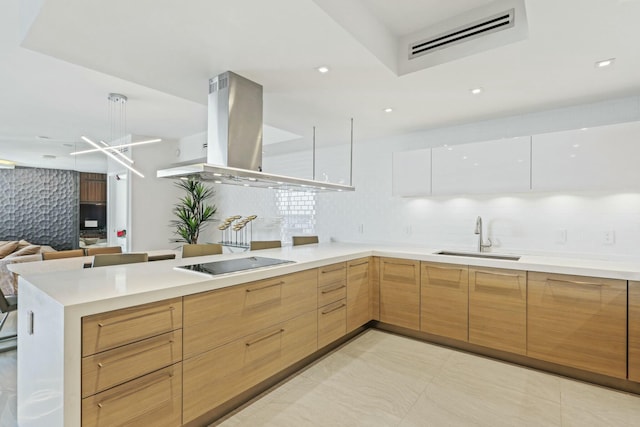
{"x":237,"y":231}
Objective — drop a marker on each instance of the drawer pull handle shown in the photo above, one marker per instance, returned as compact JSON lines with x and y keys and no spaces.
{"x":331,"y":270}
{"x":136,"y":317}
{"x":360,"y":263}
{"x":577,"y":282}
{"x":266,"y":287}
{"x":334,"y":309}
{"x":272,"y":334}
{"x":103,"y":364}
{"x":444,"y":268}
{"x":165,"y":376}
{"x":493,"y":273}
{"x":406,"y":264}
{"x":335,"y":288}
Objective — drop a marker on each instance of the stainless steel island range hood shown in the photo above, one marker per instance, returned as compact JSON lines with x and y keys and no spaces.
{"x":234,"y":141}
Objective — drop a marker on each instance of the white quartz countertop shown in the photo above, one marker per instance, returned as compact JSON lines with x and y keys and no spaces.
{"x":94,"y":290}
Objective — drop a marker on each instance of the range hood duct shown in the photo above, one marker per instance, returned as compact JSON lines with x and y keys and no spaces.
{"x":234,"y":141}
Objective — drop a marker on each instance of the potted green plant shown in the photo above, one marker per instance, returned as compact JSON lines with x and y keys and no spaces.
{"x":192,"y":211}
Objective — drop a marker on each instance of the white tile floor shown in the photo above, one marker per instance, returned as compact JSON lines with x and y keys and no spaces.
{"x":380,"y":379}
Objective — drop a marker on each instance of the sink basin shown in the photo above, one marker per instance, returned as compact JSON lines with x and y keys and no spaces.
{"x":480,"y":255}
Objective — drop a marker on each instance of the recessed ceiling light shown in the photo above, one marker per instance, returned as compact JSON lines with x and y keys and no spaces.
{"x":584,"y":128}
{"x":477,"y":90}
{"x":576,"y":145}
{"x":605,"y":62}
{"x":388,"y":110}
{"x":323,"y":69}
{"x":464,"y":157}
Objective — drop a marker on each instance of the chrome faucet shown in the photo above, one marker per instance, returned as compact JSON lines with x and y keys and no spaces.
{"x":478,"y":231}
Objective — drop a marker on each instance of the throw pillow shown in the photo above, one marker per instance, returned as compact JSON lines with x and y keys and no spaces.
{"x":28,"y":250}
{"x":7,"y":248}
{"x":23,"y":244}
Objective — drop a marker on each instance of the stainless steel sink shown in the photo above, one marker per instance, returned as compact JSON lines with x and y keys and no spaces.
{"x":480,"y":255}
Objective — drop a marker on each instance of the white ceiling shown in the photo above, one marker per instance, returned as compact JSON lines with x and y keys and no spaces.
{"x":55,"y":81}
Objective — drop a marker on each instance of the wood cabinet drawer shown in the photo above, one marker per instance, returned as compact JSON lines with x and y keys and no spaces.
{"x":634,"y":331}
{"x":152,"y":400}
{"x":105,"y":331}
{"x":215,"y":318}
{"x":332,"y":322}
{"x":333,"y":273}
{"x":400,"y":292}
{"x":212,"y":378}
{"x":444,"y":300}
{"x":579,"y":322}
{"x":498,"y":309}
{"x":358,"y":293}
{"x":332,"y":292}
{"x":119,"y":365}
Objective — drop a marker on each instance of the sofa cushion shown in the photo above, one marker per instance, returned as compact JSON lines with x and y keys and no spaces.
{"x":8,"y":248}
{"x":27,"y":250}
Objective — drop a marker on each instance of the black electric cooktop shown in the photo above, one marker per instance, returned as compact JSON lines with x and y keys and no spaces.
{"x":233,"y":265}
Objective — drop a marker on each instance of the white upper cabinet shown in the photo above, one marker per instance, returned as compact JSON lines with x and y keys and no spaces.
{"x":412,"y":173}
{"x":602,"y":158}
{"x":500,"y":166}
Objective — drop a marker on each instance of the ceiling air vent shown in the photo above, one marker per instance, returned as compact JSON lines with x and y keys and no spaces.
{"x":488,"y":25}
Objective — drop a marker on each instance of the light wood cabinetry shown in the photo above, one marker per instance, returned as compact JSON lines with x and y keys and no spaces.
{"x":634,"y":331}
{"x":93,"y":188}
{"x":332,"y":303}
{"x":444,"y":300}
{"x":214,"y":318}
{"x":374,"y":282}
{"x":112,"y":367}
{"x":498,"y":309}
{"x":131,"y":366}
{"x":400,"y":292}
{"x":358,"y":293}
{"x":104,"y":331}
{"x":212,"y":378}
{"x":152,"y":400}
{"x":578,"y":321}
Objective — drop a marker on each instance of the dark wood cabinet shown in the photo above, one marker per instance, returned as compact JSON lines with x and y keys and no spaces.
{"x":93,"y":188}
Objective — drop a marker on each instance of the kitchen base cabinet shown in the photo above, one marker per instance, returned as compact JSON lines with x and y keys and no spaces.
{"x":332,"y":322}
{"x":579,"y":322}
{"x":152,"y":400}
{"x":217,"y":317}
{"x":358,"y":293}
{"x":634,"y":331}
{"x":400,"y":292}
{"x":498,"y":309}
{"x":444,"y":300}
{"x":212,"y":378}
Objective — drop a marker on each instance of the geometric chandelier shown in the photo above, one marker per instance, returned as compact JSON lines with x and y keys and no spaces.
{"x":117,"y":128}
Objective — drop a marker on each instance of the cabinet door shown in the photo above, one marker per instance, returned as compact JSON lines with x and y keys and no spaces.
{"x":214,"y":318}
{"x":482,"y":167}
{"x":444,"y":300}
{"x":578,"y":321}
{"x":214,"y":377}
{"x":498,"y":309}
{"x":152,"y":400}
{"x":597,"y":158}
{"x":358,"y":290}
{"x":411,"y":173}
{"x":400,"y":292}
{"x":634,"y":331}
{"x":332,"y":322}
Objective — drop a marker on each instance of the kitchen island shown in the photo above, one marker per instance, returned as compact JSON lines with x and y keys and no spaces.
{"x":57,"y":308}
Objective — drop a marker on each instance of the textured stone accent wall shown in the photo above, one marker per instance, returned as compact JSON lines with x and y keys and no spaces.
{"x":40,"y":206}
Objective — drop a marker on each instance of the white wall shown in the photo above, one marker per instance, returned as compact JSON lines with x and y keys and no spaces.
{"x":152,"y":199}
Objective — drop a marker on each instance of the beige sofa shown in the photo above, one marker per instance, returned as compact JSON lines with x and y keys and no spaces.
{"x":13,"y":252}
